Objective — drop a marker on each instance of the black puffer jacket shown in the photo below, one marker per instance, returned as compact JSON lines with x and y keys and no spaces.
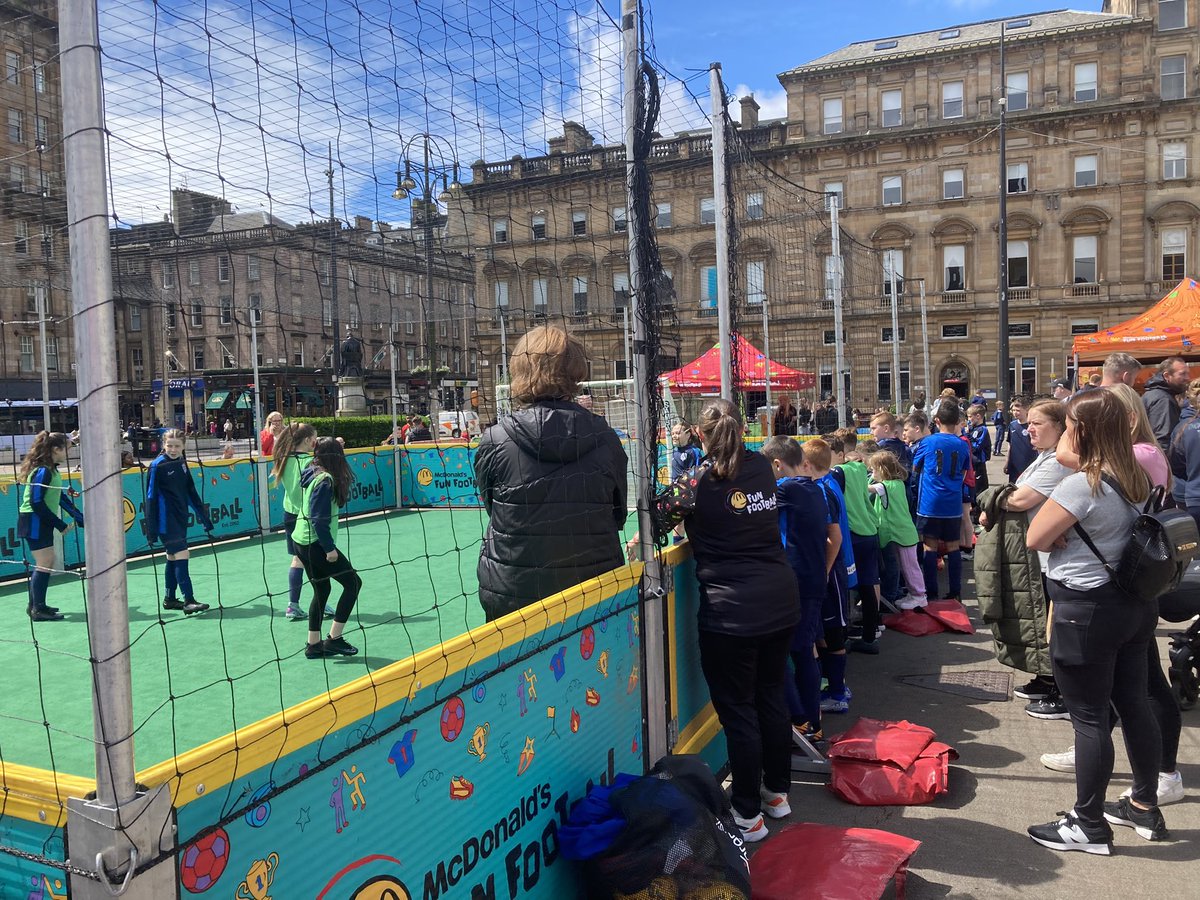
{"x":553,"y":479}
{"x":1163,"y":408}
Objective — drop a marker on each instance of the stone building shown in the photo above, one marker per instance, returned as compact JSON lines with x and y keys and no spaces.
{"x":187,"y":291}
{"x":1102,"y":217}
{"x":34,"y":263}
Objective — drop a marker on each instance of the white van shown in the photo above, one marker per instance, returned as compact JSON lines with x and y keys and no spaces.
{"x":455,"y":423}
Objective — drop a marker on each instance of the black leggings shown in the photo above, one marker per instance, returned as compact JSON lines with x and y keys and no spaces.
{"x":320,"y":572}
{"x":1164,"y":707}
{"x":1098,"y":647}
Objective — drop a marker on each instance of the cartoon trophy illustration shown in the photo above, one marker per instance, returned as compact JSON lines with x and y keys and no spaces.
{"x":258,"y":879}
{"x":479,"y":739}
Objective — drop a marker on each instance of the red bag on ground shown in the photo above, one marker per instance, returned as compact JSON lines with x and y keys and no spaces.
{"x":913,"y":623}
{"x":831,"y":863}
{"x":938,"y":616}
{"x":952,"y":615}
{"x":889,"y":764}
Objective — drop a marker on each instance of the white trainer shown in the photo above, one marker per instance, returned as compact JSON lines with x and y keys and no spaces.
{"x":1170,"y":788}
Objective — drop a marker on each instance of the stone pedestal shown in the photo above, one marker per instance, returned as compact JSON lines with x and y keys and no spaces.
{"x":352,"y":399}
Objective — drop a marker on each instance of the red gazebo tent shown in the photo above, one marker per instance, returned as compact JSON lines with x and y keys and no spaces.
{"x":1171,"y":327}
{"x":703,"y":374}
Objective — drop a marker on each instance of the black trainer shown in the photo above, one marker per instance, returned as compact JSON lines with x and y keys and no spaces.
{"x":1148,"y":823}
{"x":44,"y":614}
{"x":172,"y":603}
{"x":1039,"y":688}
{"x":315,"y":651}
{"x":1068,"y":833}
{"x":193,"y":606}
{"x":1051,"y":707}
{"x":337,"y":646}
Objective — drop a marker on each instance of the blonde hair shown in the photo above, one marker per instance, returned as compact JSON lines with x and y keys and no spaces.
{"x":1139,"y":427}
{"x":885,"y":463}
{"x":173,"y":434}
{"x":1193,"y":392}
{"x":721,"y":430}
{"x":547,"y":364}
{"x":884,"y":418}
{"x":1104,"y":445}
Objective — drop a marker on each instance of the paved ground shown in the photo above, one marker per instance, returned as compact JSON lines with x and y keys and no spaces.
{"x":973,"y":840}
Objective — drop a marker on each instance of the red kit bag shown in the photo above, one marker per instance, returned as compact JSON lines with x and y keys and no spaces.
{"x":831,"y":863}
{"x":889,"y":764}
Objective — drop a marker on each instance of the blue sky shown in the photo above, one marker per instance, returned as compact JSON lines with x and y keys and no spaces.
{"x":242,"y":100}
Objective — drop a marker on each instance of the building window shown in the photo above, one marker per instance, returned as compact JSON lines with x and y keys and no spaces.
{"x":1084,"y":326}
{"x":955,"y":332}
{"x":135,"y":318}
{"x":326,"y":313}
{"x":883,"y":381}
{"x":579,"y":291}
{"x":21,"y":243}
{"x":33,"y":296}
{"x":1028,"y":382}
{"x":835,"y":195}
{"x":499,"y":231}
{"x":26,"y":350}
{"x":893,"y":261}
{"x":193,"y":272}
{"x":52,"y":353}
{"x":410,"y":326}
{"x":756,"y":283}
{"x":891,"y":113}
{"x":197,"y":314}
{"x":41,"y":130}
{"x":620,"y":220}
{"x":663,"y":217}
{"x":541,"y":295}
{"x":831,"y":115}
{"x":1018,"y":91}
{"x":373,"y":281}
{"x":198,"y":357}
{"x":48,"y":242}
{"x":893,"y":190}
{"x":1085,"y":171}
{"x":1172,"y":14}
{"x":1085,"y":82}
{"x":256,"y":317}
{"x":579,"y":224}
{"x":620,"y":290}
{"x":1174,"y":161}
{"x":226,"y":314}
{"x":393,"y":284}
{"x":538,"y":227}
{"x":167,"y":271}
{"x":1020,"y":329}
{"x":828,"y":337}
{"x":410,"y":358}
{"x":1173,"y":77}
{"x":169,"y":315}
{"x":1174,"y":254}
{"x":1018,"y":264}
{"x":323,"y":271}
{"x":137,"y":369}
{"x":16,"y":176}
{"x":708,"y":287}
{"x":1018,"y":178}
{"x":952,"y":100}
{"x":954,"y":267}
{"x":1083,"y":264}
{"x":16,"y":126}
{"x":708,"y":211}
{"x":252,"y":268}
{"x":952,"y":184}
{"x":754,"y":206}
{"x":885,"y":334}
{"x":39,"y":77}
{"x":12,"y":68}
{"x":223,"y":269}
{"x":826,"y":380}
{"x":501,"y":295}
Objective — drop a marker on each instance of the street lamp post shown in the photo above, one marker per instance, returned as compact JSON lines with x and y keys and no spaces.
{"x":437,"y":165}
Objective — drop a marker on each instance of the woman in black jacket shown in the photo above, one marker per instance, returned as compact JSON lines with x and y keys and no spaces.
{"x":749,"y":606}
{"x":552,"y":477}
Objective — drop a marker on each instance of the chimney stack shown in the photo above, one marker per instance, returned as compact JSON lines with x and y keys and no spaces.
{"x":750,"y":110}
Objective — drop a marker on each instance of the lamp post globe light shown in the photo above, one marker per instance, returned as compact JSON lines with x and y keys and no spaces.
{"x":429,"y":163}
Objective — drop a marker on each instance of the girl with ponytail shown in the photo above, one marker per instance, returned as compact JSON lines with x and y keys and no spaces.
{"x":293,"y":451}
{"x":43,"y":500}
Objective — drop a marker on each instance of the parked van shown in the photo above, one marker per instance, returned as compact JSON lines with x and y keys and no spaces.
{"x":458,"y":423}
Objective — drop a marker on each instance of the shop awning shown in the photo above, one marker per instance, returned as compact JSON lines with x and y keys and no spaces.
{"x":245,"y":401}
{"x":216,"y":399}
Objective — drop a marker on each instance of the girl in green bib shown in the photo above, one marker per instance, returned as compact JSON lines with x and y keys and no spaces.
{"x":293,"y":450}
{"x":44,"y":499}
{"x":897,"y":534}
{"x":325,"y":488}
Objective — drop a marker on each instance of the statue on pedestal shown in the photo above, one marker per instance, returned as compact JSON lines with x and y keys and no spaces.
{"x":352,"y":398}
{"x":351,"y":357}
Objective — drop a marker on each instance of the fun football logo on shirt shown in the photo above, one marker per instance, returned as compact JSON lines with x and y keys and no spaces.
{"x":740,"y":502}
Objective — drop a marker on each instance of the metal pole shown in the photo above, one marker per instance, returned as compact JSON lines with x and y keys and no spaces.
{"x":895,"y":333}
{"x":395,"y":417}
{"x":111,"y":832}
{"x":334,"y":321}
{"x":721,"y":205}
{"x":40,"y":295}
{"x":430,"y":337}
{"x":1002,"y":390}
{"x":645,"y":455}
{"x":839,"y":350}
{"x":767,"y":353}
{"x":262,"y":467}
{"x":626,"y":340}
{"x":503,"y":364}
{"x":925,"y":338}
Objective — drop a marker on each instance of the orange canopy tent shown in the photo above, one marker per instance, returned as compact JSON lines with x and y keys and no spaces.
{"x":1169,"y":328}
{"x":703,"y":374}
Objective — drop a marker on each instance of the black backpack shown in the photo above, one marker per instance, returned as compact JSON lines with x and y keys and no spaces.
{"x":1161,"y":544}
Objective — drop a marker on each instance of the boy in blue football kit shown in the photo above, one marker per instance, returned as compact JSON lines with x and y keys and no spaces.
{"x":939,"y":462}
{"x":169,"y":494}
{"x":981,"y":447}
{"x":812,"y":541}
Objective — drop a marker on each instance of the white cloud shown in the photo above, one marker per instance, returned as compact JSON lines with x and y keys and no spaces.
{"x":772,"y":102}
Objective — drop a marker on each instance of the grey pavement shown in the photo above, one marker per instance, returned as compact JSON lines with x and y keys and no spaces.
{"x":974,"y":843}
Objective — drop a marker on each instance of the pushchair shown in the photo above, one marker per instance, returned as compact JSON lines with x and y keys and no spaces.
{"x":1183,"y":605}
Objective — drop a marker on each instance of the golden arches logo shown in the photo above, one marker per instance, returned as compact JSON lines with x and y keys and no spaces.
{"x":130,"y":512}
{"x":738,"y":501}
{"x":425,"y":477}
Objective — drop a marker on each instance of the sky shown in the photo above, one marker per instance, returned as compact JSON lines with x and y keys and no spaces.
{"x":247,"y":100}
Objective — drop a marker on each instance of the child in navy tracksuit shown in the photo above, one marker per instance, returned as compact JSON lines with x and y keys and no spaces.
{"x":812,"y":540}
{"x":940,"y":462}
{"x":43,"y":498}
{"x":169,"y":495}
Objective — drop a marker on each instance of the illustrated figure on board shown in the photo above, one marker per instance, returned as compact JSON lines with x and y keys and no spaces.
{"x":355,"y":779}
{"x":338,"y":803}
